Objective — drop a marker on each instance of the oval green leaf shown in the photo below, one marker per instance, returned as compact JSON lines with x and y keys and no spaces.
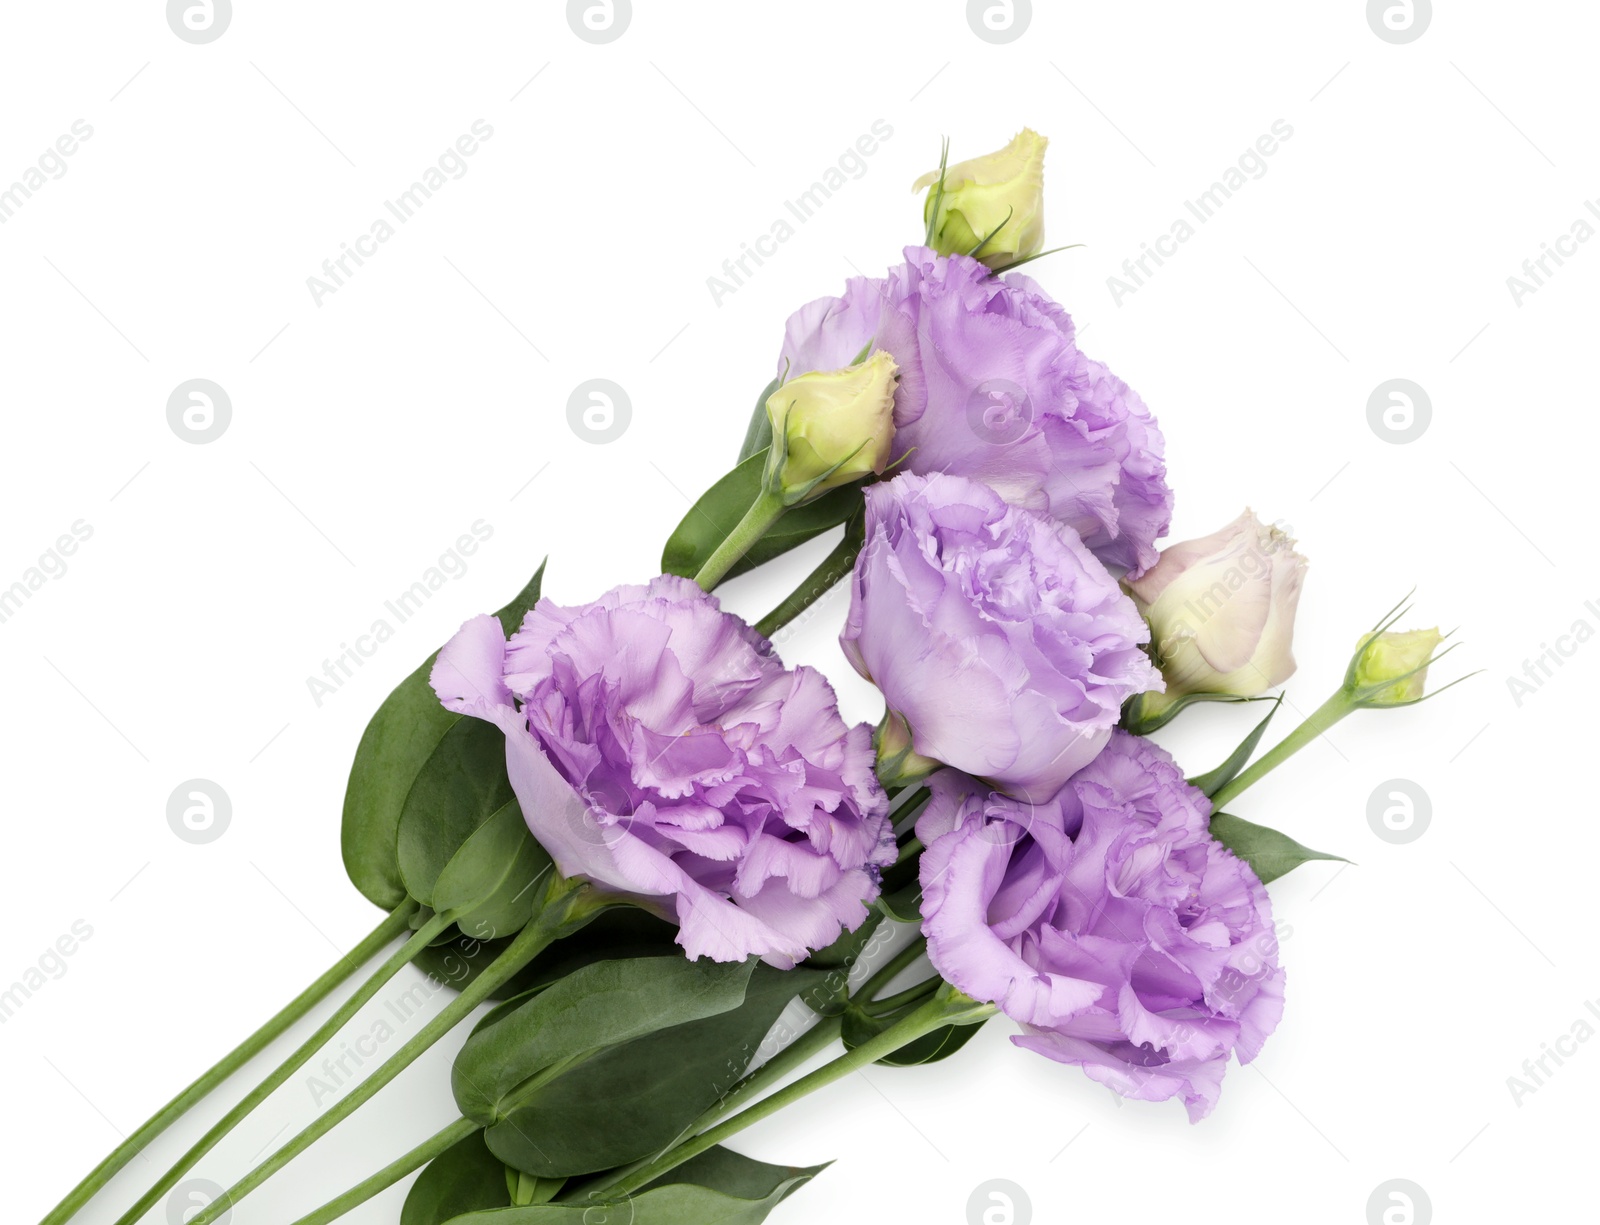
{"x":399,"y":738}
{"x":622,"y":931}
{"x":633,"y":1100}
{"x":598,"y":1006}
{"x":717,"y":513}
{"x":718,"y":1187}
{"x":497,"y":879}
{"x":465,"y":1178}
{"x":1270,"y":853}
{"x":758,"y":434}
{"x":461,"y":786}
{"x":932,"y":1047}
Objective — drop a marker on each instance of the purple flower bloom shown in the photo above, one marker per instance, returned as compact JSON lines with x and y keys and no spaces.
{"x":993,"y":386}
{"x":994,"y":634}
{"x":1109,"y":922}
{"x":658,"y":747}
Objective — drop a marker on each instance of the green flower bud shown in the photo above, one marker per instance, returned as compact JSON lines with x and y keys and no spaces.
{"x":995,"y":201}
{"x":899,"y":764}
{"x":1390,"y":668}
{"x":831,"y":427}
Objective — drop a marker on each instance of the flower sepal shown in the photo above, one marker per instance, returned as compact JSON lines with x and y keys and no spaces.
{"x":899,"y":764}
{"x":1147,"y":712}
{"x":1390,"y":667}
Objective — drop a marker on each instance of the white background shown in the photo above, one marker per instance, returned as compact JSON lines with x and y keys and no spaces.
{"x":430,"y":391}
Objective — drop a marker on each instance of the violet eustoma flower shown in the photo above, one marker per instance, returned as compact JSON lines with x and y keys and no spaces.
{"x":994,"y":387}
{"x":998,"y":640}
{"x":1108,"y":922}
{"x":658,"y":747}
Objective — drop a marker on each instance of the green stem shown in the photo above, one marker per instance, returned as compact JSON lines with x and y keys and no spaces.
{"x":809,"y":1044}
{"x":946,"y":1008}
{"x":1319,"y":721}
{"x":563,"y":912}
{"x":230,"y":1063}
{"x":766,"y":510}
{"x":904,"y":815}
{"x":836,"y":566}
{"x":888,"y":971}
{"x":892,"y":1004}
{"x":391,"y":1173}
{"x":325,"y":1032}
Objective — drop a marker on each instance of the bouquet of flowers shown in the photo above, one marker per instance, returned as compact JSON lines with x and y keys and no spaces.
{"x":642,"y":838}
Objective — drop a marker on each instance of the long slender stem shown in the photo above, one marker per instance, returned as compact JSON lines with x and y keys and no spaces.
{"x":325,"y":1032}
{"x":391,"y":1173}
{"x":813,"y":1042}
{"x":766,"y":510}
{"x":904,"y":815}
{"x":1319,"y":721}
{"x":893,"y":1003}
{"x":834,"y":567}
{"x":886,"y":973}
{"x":230,"y":1063}
{"x":809,"y":1044}
{"x":936,"y":1013}
{"x":560,"y":915}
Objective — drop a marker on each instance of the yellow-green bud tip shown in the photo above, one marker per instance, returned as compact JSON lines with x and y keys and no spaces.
{"x":998,"y":197}
{"x":1391,"y":668}
{"x":831,"y":427}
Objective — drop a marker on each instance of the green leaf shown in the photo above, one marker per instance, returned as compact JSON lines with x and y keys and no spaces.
{"x":526,"y":1189}
{"x":903,"y":905}
{"x":1151,"y":711}
{"x":461,"y":786}
{"x":465,"y":1178}
{"x":497,"y":879}
{"x":859,"y":1028}
{"x":847,"y":949}
{"x":619,"y":932}
{"x":1268,"y":852}
{"x":633,"y":1100}
{"x":592,"y":1008}
{"x":829,"y":996}
{"x":1215,"y":780}
{"x":711,"y":520}
{"x":399,"y":738}
{"x":758,"y":434}
{"x":934,"y":1047}
{"x":459,"y":960}
{"x":722,"y":1169}
{"x":483,"y":861}
{"x":718,"y":1187}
